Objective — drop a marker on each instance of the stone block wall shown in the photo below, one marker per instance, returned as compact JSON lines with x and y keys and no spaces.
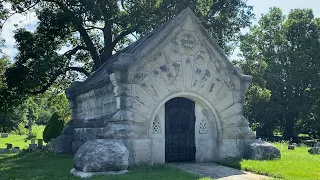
{"x":91,"y":111}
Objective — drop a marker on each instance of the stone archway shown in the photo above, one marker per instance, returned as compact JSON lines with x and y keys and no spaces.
{"x":207,"y":129}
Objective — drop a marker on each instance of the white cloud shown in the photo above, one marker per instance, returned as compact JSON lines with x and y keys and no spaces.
{"x":28,"y":21}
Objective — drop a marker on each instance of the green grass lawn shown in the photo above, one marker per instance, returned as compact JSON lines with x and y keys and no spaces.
{"x":295,"y":164}
{"x":36,"y":166}
{"x":18,"y":140}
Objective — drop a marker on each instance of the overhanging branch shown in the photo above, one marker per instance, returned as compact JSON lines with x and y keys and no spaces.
{"x":71,"y":52}
{"x":80,"y":69}
{"x":122,"y":35}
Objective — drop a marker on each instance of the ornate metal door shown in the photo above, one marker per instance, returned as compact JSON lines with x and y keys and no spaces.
{"x":179,"y":130}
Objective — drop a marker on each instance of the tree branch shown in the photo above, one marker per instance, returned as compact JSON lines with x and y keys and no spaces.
{"x":47,"y":86}
{"x":83,"y":33}
{"x":124,"y":8}
{"x":122,"y":35}
{"x":80,"y":69}
{"x":88,"y":27}
{"x":90,"y":46}
{"x":71,"y":52}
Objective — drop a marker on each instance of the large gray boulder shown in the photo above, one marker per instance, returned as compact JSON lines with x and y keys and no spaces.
{"x":317,"y":144}
{"x":63,"y":143}
{"x":261,"y":150}
{"x":102,"y":155}
{"x":314,"y":150}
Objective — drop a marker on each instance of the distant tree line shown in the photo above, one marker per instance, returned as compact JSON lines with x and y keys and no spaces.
{"x":282,"y":54}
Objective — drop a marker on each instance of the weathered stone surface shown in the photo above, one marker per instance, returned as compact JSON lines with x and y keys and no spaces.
{"x":114,"y":130}
{"x":4,"y":150}
{"x":102,"y":155}
{"x":40,"y":143}
{"x":125,"y":99}
{"x":260,"y":150}
{"x":15,"y":150}
{"x":291,"y":147}
{"x":314,"y":150}
{"x":238,"y":132}
{"x":231,"y":148}
{"x":63,"y":144}
{"x":140,"y":151}
{"x":4,"y":135}
{"x":76,"y":145}
{"x":317,"y":144}
{"x":9,"y":146}
{"x":33,"y":147}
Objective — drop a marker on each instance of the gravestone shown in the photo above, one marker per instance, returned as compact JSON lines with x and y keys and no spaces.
{"x":9,"y":146}
{"x":40,"y":143}
{"x":33,"y":147}
{"x":291,"y":147}
{"x":314,"y":150}
{"x":15,"y":150}
{"x":4,"y":150}
{"x":4,"y":135}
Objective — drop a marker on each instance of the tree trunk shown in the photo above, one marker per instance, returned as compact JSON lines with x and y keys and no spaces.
{"x":30,"y":129}
{"x":289,"y":132}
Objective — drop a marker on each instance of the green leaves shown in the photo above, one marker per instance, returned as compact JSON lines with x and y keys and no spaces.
{"x":51,"y":54}
{"x":282,"y":54}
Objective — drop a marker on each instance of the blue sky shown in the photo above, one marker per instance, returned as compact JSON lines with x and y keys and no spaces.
{"x":260,"y":7}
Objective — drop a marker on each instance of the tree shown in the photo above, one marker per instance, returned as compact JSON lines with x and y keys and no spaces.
{"x":290,"y":49}
{"x":95,"y":29}
{"x":54,"y":126}
{"x":32,"y":114}
{"x":9,"y":116}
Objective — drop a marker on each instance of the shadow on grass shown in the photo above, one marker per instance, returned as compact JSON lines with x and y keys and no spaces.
{"x":41,"y":165}
{"x":231,"y":162}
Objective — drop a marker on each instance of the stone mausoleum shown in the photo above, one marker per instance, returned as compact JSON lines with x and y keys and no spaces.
{"x":172,"y":96}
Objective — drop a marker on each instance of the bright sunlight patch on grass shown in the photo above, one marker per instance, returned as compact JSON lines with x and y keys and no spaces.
{"x":18,"y":140}
{"x":295,"y":164}
{"x":39,"y":165}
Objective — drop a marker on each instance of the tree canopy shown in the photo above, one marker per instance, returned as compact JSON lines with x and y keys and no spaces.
{"x":283,"y":56}
{"x":93,"y":30}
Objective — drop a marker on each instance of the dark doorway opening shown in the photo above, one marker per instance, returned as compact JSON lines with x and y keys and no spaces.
{"x":179,"y":130}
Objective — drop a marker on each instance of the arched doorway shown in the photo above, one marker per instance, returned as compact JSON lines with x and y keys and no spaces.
{"x":180,"y":130}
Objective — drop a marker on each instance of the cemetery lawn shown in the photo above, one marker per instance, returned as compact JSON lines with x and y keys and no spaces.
{"x":40,"y":165}
{"x":18,"y":140}
{"x":295,"y":164}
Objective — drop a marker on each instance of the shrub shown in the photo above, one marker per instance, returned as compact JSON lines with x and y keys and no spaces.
{"x":54,"y":126}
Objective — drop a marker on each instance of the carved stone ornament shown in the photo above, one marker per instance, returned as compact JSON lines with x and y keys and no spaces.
{"x":203,"y":127}
{"x":188,"y":41}
{"x":156,"y":126}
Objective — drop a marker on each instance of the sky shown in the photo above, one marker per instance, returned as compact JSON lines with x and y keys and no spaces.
{"x":29,"y":21}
